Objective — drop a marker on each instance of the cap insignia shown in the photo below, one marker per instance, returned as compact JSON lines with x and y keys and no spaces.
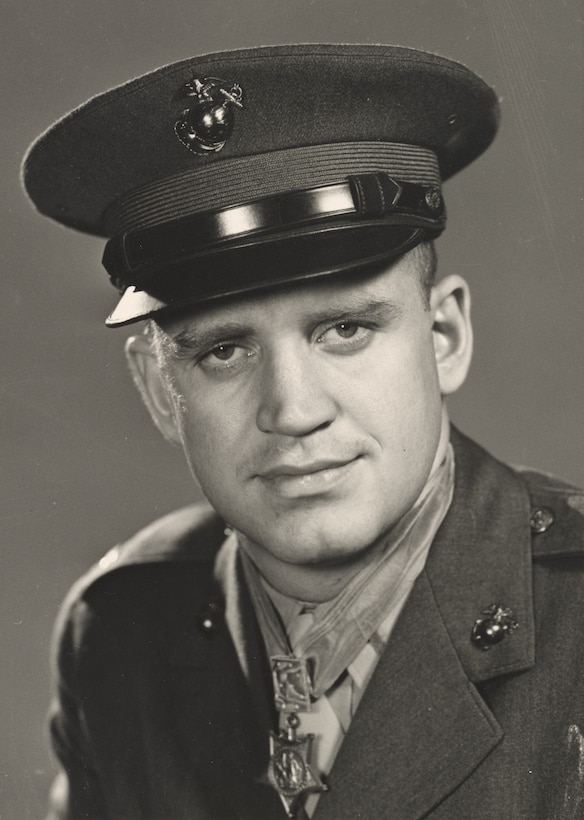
{"x":206,"y":126}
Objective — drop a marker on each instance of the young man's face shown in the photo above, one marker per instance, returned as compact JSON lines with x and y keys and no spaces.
{"x":311,"y":416}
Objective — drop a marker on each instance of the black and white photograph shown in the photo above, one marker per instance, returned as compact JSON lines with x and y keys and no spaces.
{"x":292,"y":394}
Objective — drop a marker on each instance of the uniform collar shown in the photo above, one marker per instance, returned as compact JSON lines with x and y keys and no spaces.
{"x":482,"y":555}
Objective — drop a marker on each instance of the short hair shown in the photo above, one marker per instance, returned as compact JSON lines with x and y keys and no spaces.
{"x":425,"y":258}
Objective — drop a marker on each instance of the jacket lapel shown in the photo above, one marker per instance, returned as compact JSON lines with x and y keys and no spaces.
{"x":221,"y":678}
{"x":482,"y":555}
{"x":422,"y":728}
{"x":245,"y":634}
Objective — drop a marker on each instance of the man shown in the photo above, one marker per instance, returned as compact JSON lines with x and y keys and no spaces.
{"x":372,"y":617}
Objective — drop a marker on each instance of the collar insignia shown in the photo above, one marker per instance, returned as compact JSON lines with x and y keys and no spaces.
{"x":497,"y":622}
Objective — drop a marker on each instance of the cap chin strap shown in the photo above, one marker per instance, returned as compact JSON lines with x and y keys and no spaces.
{"x":134,"y":257}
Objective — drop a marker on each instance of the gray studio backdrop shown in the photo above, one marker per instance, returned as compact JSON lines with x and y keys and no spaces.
{"x":81,"y":467}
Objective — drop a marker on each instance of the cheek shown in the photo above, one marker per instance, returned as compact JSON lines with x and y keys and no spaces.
{"x":422,"y":386}
{"x":402,"y":413}
{"x":212,"y":432}
{"x":399,"y":393}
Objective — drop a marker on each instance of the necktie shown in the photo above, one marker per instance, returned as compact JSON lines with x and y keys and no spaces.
{"x":301,"y":624}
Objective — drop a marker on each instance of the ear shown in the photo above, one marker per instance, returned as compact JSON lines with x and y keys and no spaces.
{"x":153,"y":386}
{"x":452,"y":330}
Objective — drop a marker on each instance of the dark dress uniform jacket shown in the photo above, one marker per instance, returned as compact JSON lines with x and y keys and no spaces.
{"x":156,"y":717}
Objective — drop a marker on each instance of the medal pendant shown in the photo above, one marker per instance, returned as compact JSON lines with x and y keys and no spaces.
{"x":289,"y":770}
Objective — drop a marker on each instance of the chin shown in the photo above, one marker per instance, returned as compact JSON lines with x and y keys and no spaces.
{"x":335,"y":542}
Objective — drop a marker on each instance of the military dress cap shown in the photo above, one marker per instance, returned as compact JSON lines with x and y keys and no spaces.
{"x":242,"y":170}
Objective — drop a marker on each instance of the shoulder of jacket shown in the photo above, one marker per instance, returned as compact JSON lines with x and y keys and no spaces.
{"x":191,"y":534}
{"x":557,"y":514}
{"x":127,"y":575}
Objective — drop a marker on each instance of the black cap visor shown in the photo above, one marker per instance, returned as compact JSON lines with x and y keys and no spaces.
{"x":243,"y":268}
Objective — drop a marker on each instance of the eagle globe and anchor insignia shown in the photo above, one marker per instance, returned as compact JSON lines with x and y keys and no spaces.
{"x":206,"y":126}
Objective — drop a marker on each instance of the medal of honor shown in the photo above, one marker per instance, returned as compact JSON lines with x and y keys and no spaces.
{"x":289,"y":769}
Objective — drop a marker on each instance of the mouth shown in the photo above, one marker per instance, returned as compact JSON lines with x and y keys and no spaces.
{"x":311,"y":478}
{"x":293,"y":470}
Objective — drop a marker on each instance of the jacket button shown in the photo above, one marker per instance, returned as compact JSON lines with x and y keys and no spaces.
{"x":210,"y":618}
{"x":541,"y":519}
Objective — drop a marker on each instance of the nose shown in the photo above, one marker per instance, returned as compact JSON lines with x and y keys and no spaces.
{"x":293,"y":399}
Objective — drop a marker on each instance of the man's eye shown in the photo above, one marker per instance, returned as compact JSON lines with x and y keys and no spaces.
{"x":225,"y":356}
{"x":222,"y":352}
{"x":346,"y":329}
{"x":345,"y":336}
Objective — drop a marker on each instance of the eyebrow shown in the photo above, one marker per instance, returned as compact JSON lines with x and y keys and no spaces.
{"x":358,"y":307}
{"x":192,"y":340}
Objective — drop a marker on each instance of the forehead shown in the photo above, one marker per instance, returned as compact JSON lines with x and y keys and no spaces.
{"x":394,"y":285}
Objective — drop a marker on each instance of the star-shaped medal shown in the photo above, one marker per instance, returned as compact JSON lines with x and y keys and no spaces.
{"x":289,"y":771}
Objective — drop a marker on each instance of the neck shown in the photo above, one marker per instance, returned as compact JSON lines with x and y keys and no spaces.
{"x":317,"y":583}
{"x":309,"y":583}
